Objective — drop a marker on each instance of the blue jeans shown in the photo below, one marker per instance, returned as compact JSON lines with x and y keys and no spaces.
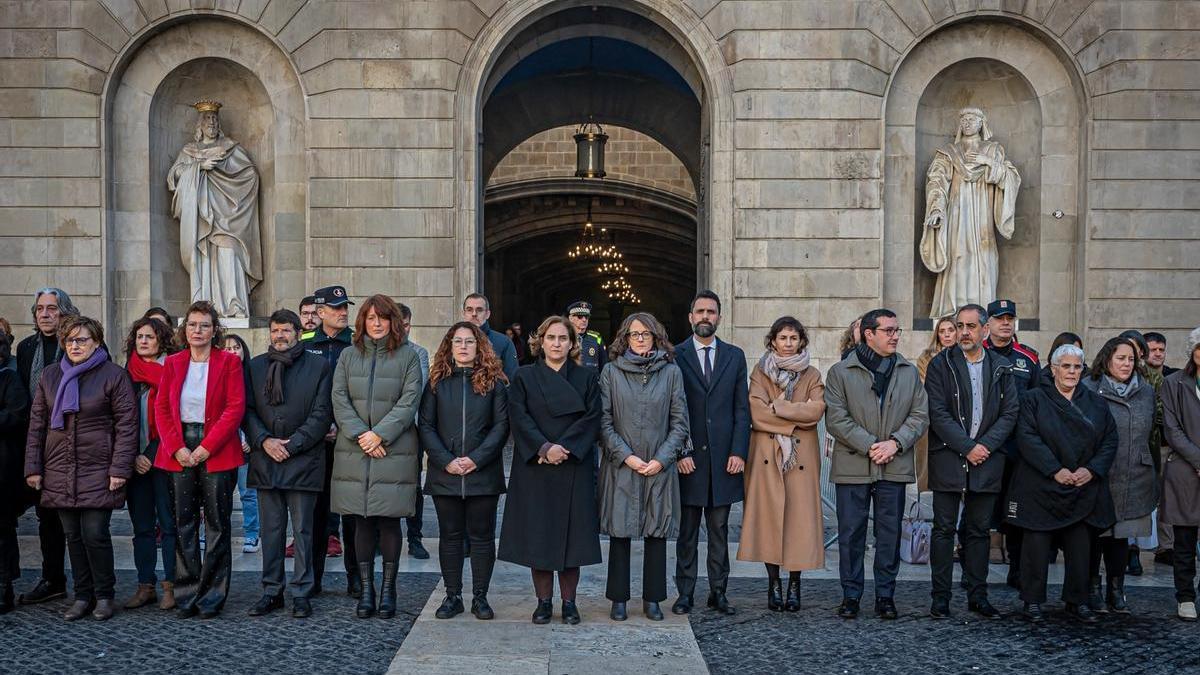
{"x":249,"y":497}
{"x":151,"y":503}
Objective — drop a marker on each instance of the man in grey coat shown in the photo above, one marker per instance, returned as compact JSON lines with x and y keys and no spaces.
{"x":876,"y":411}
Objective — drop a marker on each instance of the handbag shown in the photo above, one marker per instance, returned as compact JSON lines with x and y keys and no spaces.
{"x":915,"y":535}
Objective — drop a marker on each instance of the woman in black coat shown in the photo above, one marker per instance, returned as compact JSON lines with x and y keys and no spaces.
{"x":1067,"y":440}
{"x":463,"y":425}
{"x":14,"y":411}
{"x":550,"y":517}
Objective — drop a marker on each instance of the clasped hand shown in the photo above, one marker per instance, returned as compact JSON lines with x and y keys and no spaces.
{"x":978,"y":455}
{"x":644,"y":468}
{"x":461,"y":466}
{"x":189,"y":458}
{"x":1077,"y":478}
{"x":274,"y":447}
{"x":556,"y":454}
{"x":372,"y":445}
{"x":883,"y":451}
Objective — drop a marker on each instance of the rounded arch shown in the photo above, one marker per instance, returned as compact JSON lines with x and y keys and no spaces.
{"x":715,"y":193}
{"x":1060,"y":97}
{"x":133,"y":141}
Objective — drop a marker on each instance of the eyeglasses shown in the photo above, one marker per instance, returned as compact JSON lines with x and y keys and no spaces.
{"x":1069,"y":366}
{"x":78,"y":341}
{"x":192,"y":325}
{"x":463,"y":342}
{"x":890,"y":331}
{"x":641,"y":335}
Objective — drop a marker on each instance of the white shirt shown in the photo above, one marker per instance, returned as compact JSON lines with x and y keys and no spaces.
{"x":712,"y":353}
{"x":195,"y":390}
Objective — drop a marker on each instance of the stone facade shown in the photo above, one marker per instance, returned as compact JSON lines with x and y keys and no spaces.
{"x":813,"y":138}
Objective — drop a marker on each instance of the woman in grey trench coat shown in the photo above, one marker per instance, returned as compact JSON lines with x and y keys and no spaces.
{"x":1181,"y":472}
{"x":644,"y":428}
{"x":1132,"y":480}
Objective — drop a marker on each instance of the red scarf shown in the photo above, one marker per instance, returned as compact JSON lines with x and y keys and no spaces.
{"x":150,"y":374}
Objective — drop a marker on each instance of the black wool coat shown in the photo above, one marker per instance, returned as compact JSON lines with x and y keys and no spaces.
{"x":1055,"y":433}
{"x":719,"y":415}
{"x":302,"y":419}
{"x":550,"y":516}
{"x":948,"y":385}
{"x":14,"y":417}
{"x":454,"y":422}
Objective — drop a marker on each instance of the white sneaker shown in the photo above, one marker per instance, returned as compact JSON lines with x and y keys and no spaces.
{"x":1187,"y":611}
{"x":251,"y":545}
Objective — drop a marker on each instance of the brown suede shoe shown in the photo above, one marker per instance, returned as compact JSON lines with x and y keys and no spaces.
{"x":79,"y":609}
{"x":104,"y":609}
{"x":168,"y":596}
{"x":144,"y":596}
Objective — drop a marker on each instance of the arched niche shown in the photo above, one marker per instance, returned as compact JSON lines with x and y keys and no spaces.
{"x":1035,"y":104}
{"x":147,"y":119}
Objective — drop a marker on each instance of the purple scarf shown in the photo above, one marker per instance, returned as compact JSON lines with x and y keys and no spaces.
{"x":66,"y":399}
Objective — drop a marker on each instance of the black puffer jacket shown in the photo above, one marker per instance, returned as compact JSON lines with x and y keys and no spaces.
{"x":456,"y":422}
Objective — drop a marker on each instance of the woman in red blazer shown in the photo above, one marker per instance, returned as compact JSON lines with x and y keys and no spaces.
{"x":198,"y":411}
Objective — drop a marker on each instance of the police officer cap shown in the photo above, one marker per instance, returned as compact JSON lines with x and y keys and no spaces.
{"x":580,"y":307}
{"x":1002,"y":307}
{"x":331,"y":296}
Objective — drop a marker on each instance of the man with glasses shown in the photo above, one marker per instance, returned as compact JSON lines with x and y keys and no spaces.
{"x":876,"y":410}
{"x":310,"y":322}
{"x":478,"y":310}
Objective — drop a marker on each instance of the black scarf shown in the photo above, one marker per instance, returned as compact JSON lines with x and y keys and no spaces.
{"x":277,"y":362}
{"x":880,"y":367}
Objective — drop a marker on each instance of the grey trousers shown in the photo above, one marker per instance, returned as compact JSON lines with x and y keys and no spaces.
{"x":274,"y":506}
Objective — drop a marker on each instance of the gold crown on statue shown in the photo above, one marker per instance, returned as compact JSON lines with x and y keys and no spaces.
{"x":207,"y":106}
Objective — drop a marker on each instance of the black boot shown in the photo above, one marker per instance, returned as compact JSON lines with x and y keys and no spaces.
{"x":1135,"y":561}
{"x":353,"y":586}
{"x":793,"y":593}
{"x":1116,"y":595}
{"x":480,"y":607}
{"x":1082,"y":613}
{"x":387,"y":594}
{"x":1095,"y":596}
{"x":366,"y":600}
{"x":451,"y":607}
{"x":7,"y":601}
{"x":775,"y":595}
{"x":545,"y":610}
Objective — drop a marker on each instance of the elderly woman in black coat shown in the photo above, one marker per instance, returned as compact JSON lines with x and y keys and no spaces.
{"x":550,"y":517}
{"x":1067,"y":440}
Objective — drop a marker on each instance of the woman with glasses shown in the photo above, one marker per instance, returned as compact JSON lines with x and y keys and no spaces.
{"x":198,"y":411}
{"x":79,"y":454}
{"x":644,"y":429}
{"x":463,"y":426}
{"x":1067,"y":440}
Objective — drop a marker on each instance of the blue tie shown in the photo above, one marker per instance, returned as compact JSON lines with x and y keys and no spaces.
{"x":707,"y":363}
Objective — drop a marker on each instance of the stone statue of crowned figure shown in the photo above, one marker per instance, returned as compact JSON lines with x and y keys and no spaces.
{"x":970,"y":194}
{"x":215,"y":198}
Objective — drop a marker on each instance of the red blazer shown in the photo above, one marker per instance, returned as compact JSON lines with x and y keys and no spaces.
{"x":224,"y":405}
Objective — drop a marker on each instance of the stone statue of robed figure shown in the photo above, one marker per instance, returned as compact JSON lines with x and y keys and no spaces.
{"x":215,"y":188}
{"x":970,"y":194}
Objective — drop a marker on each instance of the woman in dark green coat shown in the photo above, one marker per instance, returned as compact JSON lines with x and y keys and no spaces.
{"x":376,"y":391}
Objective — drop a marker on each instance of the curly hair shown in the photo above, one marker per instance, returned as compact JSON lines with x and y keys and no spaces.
{"x":385,"y":308}
{"x":202,"y":307}
{"x":166,"y":341}
{"x":620,"y":342}
{"x":1106,"y":353}
{"x":487,"y":366}
{"x":535,"y":339}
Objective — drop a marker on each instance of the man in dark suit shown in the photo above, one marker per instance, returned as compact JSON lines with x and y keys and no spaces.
{"x":710,"y":473}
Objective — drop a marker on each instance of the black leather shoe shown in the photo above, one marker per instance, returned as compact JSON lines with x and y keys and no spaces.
{"x":618,"y":612}
{"x":209,"y":612}
{"x":187,"y":610}
{"x":885,"y":608}
{"x":683,"y":605}
{"x":1135,"y":562}
{"x":1082,"y":613}
{"x":940,"y":609}
{"x":105,"y":608}
{"x":570,"y":613}
{"x":417,"y":550}
{"x":1033,"y":612}
{"x":480,"y":607}
{"x":792,"y":604}
{"x":719,"y":602}
{"x":451,"y":607}
{"x":848,"y":609}
{"x":775,"y":595}
{"x":353,"y":585}
{"x":984,"y":609}
{"x":266,"y":604}
{"x":301,"y":608}
{"x":1095,"y":599}
{"x":42,"y":591}
{"x":652,"y":610}
{"x":544,"y":611}
{"x":79,"y":609}
{"x":1115,"y":598}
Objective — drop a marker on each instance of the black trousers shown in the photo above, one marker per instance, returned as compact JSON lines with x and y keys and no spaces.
{"x":197,"y":488}
{"x":413,"y":523}
{"x":53,"y":542}
{"x":274,"y":507}
{"x":1184,"y":563}
{"x":854,"y":504}
{"x":1113,"y":551}
{"x":687,"y":555}
{"x":90,"y":546}
{"x":1036,"y":550}
{"x":476,"y":518}
{"x":10,"y":552}
{"x":972,"y":532}
{"x":654,"y":569}
{"x":320,"y":524}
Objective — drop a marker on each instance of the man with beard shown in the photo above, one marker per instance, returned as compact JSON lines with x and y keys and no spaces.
{"x":288,"y":412}
{"x":309,"y":321}
{"x":710,"y":472}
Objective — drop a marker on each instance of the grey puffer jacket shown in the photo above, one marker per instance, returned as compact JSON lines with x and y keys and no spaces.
{"x":644,"y":414}
{"x":1132,"y":479}
{"x":376,"y":390}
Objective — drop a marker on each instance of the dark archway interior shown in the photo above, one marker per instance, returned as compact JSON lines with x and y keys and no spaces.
{"x":616,"y":68}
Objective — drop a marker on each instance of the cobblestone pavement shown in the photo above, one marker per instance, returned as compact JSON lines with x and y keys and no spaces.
{"x":36,"y":640}
{"x":814,"y":640}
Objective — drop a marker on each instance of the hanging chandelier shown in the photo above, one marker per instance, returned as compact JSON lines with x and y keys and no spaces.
{"x":620,"y":290}
{"x":589,"y":150}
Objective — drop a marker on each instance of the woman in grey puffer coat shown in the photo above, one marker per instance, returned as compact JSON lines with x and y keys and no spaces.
{"x":644,"y":428}
{"x":1132,"y":480}
{"x":376,"y":392}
